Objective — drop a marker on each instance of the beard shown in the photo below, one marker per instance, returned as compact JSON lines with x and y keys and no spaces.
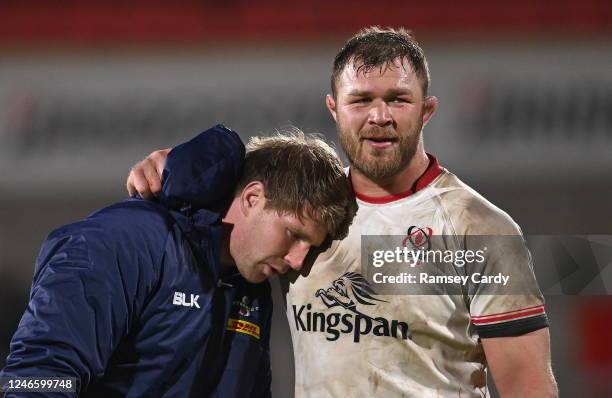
{"x":379,"y":164}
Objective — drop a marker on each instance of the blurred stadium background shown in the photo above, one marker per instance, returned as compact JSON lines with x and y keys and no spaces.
{"x":87,"y":88}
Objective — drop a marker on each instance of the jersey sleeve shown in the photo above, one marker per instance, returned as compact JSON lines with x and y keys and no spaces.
{"x":509,"y":301}
{"x":78,"y":311}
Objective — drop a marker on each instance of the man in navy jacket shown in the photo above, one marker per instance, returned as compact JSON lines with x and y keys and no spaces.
{"x":164,"y":299}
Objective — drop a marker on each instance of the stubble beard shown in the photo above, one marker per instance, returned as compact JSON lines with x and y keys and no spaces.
{"x":379,"y":165}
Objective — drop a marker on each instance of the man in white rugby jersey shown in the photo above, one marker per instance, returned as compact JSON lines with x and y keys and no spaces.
{"x":350,"y":340}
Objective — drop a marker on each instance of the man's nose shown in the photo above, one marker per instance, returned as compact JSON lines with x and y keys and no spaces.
{"x":297,"y":254}
{"x":380,"y":114}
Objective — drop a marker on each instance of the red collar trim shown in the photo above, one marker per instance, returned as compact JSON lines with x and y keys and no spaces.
{"x":433,"y":170}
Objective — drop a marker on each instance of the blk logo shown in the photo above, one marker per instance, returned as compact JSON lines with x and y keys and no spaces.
{"x":181,"y":299}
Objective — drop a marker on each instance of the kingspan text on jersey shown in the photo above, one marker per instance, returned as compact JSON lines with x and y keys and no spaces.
{"x":333,"y":324}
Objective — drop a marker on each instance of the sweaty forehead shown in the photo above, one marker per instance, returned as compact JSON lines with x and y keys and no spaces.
{"x":391,"y":75}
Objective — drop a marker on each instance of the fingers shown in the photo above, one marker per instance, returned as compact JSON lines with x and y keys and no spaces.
{"x":137,"y":183}
{"x":151,"y":173}
{"x":145,"y":176}
{"x":159,"y":159}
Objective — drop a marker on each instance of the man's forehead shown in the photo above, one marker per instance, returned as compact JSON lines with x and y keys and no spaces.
{"x":398,"y":67}
{"x":395,"y":73}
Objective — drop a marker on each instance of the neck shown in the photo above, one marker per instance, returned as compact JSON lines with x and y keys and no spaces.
{"x":394,"y":185}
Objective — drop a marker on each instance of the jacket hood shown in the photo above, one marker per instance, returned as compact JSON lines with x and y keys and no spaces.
{"x":203,"y":172}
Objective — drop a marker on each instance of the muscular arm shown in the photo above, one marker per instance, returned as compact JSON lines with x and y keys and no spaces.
{"x":521,"y":364}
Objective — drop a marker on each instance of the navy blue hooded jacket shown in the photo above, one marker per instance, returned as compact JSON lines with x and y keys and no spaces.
{"x":133,"y":302}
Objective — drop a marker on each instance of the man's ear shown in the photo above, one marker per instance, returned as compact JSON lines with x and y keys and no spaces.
{"x":251,"y":197}
{"x":430,"y":105}
{"x":330,"y":102}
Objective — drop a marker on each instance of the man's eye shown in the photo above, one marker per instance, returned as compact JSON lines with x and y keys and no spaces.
{"x":295,"y":236}
{"x":361,"y":101}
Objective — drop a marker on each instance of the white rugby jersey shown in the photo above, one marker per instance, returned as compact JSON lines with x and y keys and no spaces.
{"x":350,"y":341}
